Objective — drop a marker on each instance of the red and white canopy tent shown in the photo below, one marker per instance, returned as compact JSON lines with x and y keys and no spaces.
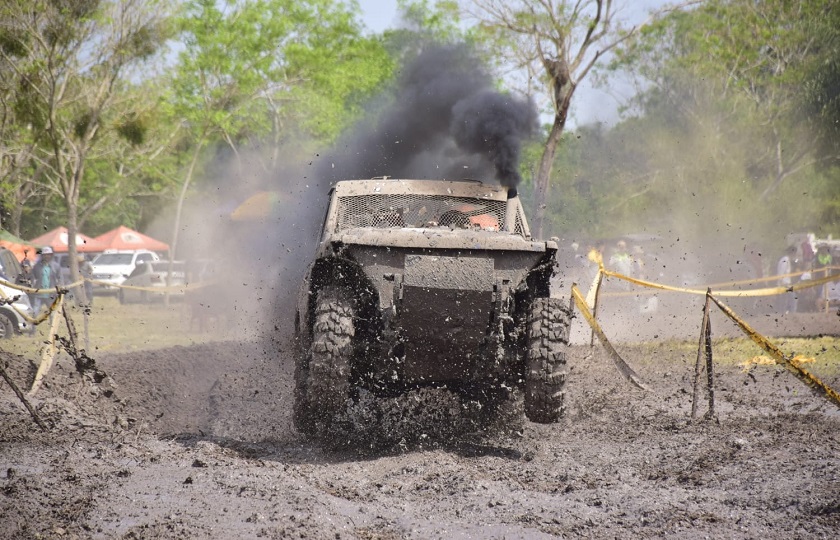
{"x":124,"y":238}
{"x":58,"y":238}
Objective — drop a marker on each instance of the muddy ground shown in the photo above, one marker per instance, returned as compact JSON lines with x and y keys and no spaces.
{"x":197,"y":442}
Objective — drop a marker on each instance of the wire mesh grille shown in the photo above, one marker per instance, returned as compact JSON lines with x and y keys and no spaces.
{"x":410,"y":210}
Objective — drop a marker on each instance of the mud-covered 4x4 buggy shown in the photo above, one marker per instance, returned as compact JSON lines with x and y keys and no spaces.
{"x":428,"y":283}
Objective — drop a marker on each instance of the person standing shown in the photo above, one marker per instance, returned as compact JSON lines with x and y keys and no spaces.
{"x":822,"y":261}
{"x":807,"y":250}
{"x":86,"y":271}
{"x":822,"y":266}
{"x":621,"y":260}
{"x":46,"y":276}
{"x":784,"y":269}
{"x":829,"y":293}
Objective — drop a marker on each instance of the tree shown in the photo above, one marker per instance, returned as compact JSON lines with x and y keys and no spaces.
{"x":251,"y":68}
{"x":718,"y":118}
{"x":257,"y":73}
{"x":747,"y":62}
{"x":556,"y":43}
{"x":822,"y":84}
{"x":70,"y":61}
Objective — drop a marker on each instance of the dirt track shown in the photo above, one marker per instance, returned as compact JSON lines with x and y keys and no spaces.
{"x":197,"y":443}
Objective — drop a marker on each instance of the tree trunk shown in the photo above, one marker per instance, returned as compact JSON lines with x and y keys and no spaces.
{"x":564,"y":87}
{"x":542,"y":182}
{"x":79,"y":292}
{"x":178,"y":208}
{"x":73,"y":229}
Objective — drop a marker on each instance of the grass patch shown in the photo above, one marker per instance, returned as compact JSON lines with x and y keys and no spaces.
{"x":114,"y":327}
{"x":731,"y":352}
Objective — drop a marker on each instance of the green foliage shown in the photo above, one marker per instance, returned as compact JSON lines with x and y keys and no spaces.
{"x":303,"y":64}
{"x":69,"y":70}
{"x":721,"y":147}
{"x":821,"y":96}
{"x":339,"y":70}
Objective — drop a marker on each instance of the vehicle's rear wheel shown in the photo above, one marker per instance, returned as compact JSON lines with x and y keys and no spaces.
{"x":327,"y":370}
{"x":545,"y":371}
{"x":7,"y":326}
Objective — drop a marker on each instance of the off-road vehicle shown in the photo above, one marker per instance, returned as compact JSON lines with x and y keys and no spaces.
{"x":428,"y":283}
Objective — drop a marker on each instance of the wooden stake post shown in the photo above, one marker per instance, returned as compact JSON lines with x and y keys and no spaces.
{"x":50,"y":350}
{"x":704,"y":344}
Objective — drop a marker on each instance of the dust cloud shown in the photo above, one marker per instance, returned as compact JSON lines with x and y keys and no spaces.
{"x":441,"y":120}
{"x":685,"y":196}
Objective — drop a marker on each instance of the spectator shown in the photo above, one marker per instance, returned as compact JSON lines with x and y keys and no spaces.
{"x":25,"y":277}
{"x":829,"y":293}
{"x":784,"y":269}
{"x":46,"y":277}
{"x":822,"y":261}
{"x":807,"y":297}
{"x":86,"y":271}
{"x":638,"y":259}
{"x":807,"y":252}
{"x":621,"y":261}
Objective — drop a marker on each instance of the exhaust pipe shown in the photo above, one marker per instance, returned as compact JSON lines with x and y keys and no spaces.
{"x":510,"y":211}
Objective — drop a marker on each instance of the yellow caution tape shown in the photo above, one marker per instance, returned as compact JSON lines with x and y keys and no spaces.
{"x":792,"y":364}
{"x":622,"y":366}
{"x":773,"y":278}
{"x":39,"y":318}
{"x":172,"y":288}
{"x":769,"y":291}
{"x":594,"y":289}
{"x":30,"y":320}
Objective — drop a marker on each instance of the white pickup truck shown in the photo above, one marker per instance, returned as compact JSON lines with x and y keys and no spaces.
{"x":114,"y":266}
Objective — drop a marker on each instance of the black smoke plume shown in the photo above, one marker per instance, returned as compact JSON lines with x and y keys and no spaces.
{"x":445,"y":122}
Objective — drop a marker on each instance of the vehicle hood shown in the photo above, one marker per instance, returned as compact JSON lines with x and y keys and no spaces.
{"x":440,"y":238}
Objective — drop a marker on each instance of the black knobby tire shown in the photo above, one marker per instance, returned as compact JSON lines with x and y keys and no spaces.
{"x":329,"y":356}
{"x":7,"y":327}
{"x":545,"y":371}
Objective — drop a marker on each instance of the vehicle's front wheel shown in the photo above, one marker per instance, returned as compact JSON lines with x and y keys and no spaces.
{"x":545,"y":371}
{"x":325,"y":388}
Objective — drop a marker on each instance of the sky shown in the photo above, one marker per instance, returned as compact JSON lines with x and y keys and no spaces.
{"x":589,"y":105}
{"x":379,"y":14}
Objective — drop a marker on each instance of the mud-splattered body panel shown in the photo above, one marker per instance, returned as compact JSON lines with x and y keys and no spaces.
{"x":436,"y":302}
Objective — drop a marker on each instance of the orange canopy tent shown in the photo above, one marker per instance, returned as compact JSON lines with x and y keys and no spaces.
{"x":124,"y":238}
{"x":58,"y":237}
{"x":20,"y":247}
